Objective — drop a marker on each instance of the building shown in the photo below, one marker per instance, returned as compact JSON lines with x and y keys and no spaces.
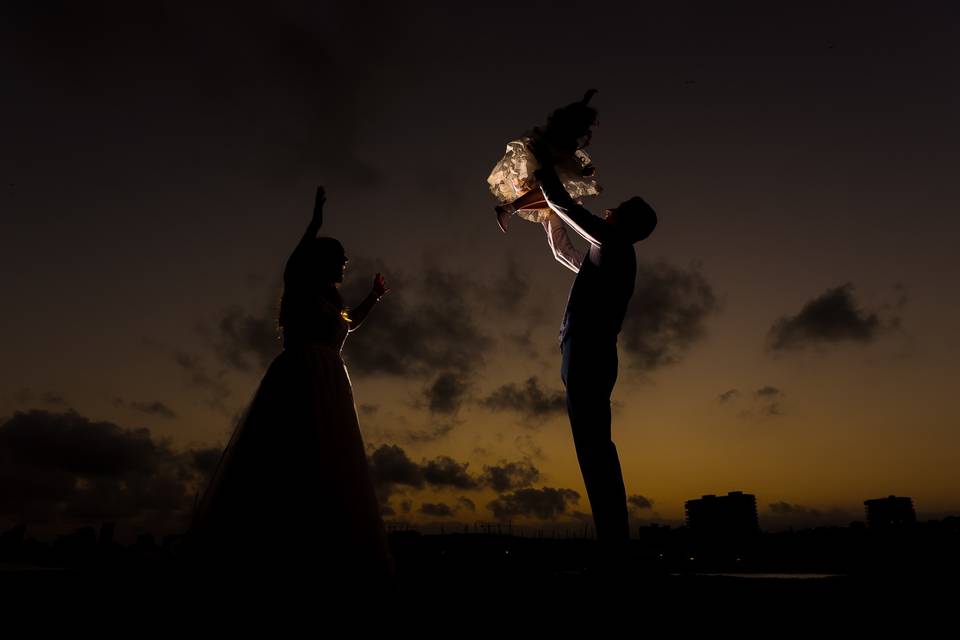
{"x":890,"y":512}
{"x":731,"y":516}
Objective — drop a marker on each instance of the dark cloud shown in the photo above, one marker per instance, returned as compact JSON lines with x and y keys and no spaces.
{"x":530,"y":400}
{"x":438,"y":510}
{"x":390,"y":465}
{"x":667,"y":314}
{"x":639,"y":502}
{"x":466,"y":503}
{"x":527,"y":446}
{"x":769,"y":397}
{"x":430,"y":434}
{"x":545,"y":504}
{"x":785,"y":508}
{"x":199,"y":379}
{"x":729,"y":395}
{"x":63,"y":468}
{"x":369,"y":409}
{"x":237,"y":337}
{"x":446,"y":393}
{"x":510,"y":289}
{"x":832,"y":317}
{"x":429,"y":325}
{"x":507,"y":476}
{"x":49,"y":398}
{"x":444,"y":471}
{"x":406,"y":506}
{"x":155,"y":408}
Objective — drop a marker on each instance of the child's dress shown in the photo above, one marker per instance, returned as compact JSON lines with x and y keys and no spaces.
{"x":512,"y":176}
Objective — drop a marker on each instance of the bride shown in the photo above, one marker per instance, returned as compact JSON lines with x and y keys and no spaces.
{"x":293,"y":489}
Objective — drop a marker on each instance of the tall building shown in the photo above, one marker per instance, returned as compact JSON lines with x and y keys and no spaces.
{"x":890,"y":512}
{"x":732,"y":515}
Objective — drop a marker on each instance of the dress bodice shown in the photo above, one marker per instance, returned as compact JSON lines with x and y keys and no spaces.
{"x":311,"y":318}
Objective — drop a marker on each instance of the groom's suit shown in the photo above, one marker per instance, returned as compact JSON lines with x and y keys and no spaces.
{"x":588,"y":341}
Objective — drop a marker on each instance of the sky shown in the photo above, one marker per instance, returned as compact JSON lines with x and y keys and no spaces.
{"x":793,"y":329}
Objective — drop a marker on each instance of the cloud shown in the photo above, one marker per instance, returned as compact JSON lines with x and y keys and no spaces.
{"x":390,"y":466}
{"x":785,"y":508}
{"x":767,"y":392}
{"x":436,"y":432}
{"x":64,"y":469}
{"x":438,"y":510}
{"x":527,"y":446}
{"x":784,"y":515}
{"x":510,"y":289}
{"x":833,"y":317}
{"x":639,"y":502}
{"x":769,"y":397}
{"x":197,"y":378}
{"x":154,"y":408}
{"x":369,"y":409}
{"x":729,"y":395}
{"x":466,"y":503}
{"x":666,"y":315}
{"x":428,"y":326}
{"x":446,"y":393}
{"x":238,"y":337}
{"x":530,"y":400}
{"x":544,"y":504}
{"x":444,"y":471}
{"x":507,"y":476}
{"x":49,"y":398}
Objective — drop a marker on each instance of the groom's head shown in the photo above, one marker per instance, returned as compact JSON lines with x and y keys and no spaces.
{"x":634,"y":218}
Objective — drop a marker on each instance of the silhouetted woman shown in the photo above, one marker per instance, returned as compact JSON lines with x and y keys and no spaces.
{"x":293,"y":489}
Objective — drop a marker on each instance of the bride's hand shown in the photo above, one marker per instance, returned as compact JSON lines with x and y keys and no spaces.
{"x":318,"y":203}
{"x":379,"y":286}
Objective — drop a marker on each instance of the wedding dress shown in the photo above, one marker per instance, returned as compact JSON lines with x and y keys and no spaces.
{"x":293,"y":488}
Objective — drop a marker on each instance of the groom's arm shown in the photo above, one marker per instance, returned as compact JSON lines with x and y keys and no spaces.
{"x":559,"y":242}
{"x":591,"y":228}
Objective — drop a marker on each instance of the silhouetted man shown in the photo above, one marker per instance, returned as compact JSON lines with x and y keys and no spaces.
{"x":588,"y":339}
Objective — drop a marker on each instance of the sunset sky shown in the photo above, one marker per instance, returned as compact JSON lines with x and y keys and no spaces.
{"x":793,"y":333}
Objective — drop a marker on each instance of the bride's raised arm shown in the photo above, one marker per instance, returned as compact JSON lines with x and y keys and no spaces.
{"x":317,"y":220}
{"x":311,"y":232}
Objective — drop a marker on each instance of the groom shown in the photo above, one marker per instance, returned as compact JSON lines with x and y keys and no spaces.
{"x":588,"y":339}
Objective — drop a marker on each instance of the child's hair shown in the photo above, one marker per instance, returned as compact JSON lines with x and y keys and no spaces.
{"x":568,"y":125}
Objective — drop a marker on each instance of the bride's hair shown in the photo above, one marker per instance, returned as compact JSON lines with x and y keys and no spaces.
{"x":314,"y":270}
{"x":567,"y":125}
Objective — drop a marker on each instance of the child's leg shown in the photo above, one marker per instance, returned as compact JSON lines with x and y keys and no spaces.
{"x":532,"y":199}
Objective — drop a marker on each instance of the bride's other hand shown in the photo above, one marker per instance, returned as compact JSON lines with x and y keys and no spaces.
{"x":379,"y":286}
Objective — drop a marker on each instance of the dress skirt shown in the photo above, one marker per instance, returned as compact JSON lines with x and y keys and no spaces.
{"x":293,"y":488}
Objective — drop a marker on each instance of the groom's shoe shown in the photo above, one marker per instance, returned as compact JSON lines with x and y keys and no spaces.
{"x":504,"y":212}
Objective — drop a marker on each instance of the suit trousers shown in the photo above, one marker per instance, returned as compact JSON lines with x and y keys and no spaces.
{"x":589,"y":372}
